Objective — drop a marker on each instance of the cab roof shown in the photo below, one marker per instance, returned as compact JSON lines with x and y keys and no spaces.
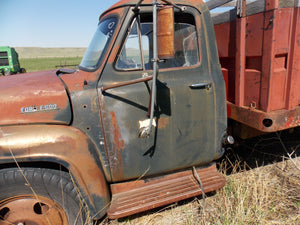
{"x":124,"y":3}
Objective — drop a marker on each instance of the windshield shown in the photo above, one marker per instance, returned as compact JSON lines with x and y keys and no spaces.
{"x":99,"y":44}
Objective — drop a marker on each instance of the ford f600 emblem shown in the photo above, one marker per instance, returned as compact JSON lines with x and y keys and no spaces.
{"x":41,"y":108}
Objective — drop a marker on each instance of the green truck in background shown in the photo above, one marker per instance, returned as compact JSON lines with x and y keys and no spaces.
{"x":9,"y":61}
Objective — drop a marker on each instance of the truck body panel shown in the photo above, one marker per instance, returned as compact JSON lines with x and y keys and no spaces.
{"x":140,"y":195}
{"x":260,"y":59}
{"x":38,"y":97}
{"x":188,"y":127}
{"x":63,"y":145}
{"x":84,"y":96}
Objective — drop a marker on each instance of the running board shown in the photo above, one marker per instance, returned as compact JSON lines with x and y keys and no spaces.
{"x":137,"y":196}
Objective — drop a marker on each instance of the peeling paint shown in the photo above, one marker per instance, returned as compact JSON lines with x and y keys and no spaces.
{"x":59,"y":144}
{"x":116,"y":131}
{"x":292,"y":122}
{"x":163,"y":122}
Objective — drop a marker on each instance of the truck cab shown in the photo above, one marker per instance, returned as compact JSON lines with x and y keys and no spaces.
{"x":128,"y":131}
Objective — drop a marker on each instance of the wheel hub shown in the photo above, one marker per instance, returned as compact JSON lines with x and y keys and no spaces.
{"x":31,"y":210}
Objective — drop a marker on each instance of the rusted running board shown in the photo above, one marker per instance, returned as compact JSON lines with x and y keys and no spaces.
{"x":137,"y":196}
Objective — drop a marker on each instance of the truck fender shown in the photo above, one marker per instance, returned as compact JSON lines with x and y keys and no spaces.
{"x":63,"y":145}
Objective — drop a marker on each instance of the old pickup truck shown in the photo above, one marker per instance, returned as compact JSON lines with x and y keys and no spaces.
{"x":141,"y":122}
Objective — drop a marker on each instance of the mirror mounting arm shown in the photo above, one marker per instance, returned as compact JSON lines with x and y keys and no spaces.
{"x":182,"y":8}
{"x":146,"y":131}
{"x":136,"y":8}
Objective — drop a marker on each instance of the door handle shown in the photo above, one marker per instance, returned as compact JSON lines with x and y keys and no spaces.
{"x":204,"y":85}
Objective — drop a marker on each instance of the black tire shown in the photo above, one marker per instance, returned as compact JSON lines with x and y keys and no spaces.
{"x":47,"y":184}
{"x":22,"y":70}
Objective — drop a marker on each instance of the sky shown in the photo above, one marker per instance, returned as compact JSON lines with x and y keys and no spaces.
{"x":50,"y":23}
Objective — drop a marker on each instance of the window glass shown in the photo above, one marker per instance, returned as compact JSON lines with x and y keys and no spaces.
{"x":186,"y":45}
{"x":99,"y":44}
{"x":130,"y":57}
{"x":147,"y":32}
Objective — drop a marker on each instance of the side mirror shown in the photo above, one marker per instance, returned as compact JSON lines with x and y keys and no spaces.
{"x":165,"y":32}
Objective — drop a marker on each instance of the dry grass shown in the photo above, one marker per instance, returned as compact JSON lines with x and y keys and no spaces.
{"x":263,"y":195}
{"x":267,"y":195}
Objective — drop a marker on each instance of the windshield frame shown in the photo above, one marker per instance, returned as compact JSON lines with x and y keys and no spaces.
{"x":105,"y":48}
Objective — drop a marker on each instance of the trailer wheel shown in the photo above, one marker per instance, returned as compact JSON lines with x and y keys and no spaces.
{"x":39,"y":196}
{"x":22,"y":70}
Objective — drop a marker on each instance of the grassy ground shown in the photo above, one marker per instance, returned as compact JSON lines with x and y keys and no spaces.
{"x":39,"y":59}
{"x":34,"y":52}
{"x":39,"y":64}
{"x":255,"y":193}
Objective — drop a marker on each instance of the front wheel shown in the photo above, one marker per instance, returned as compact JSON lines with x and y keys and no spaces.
{"x":39,"y":196}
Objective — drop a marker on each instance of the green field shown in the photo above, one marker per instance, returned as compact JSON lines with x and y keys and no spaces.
{"x":35,"y":52}
{"x":40,"y":64}
{"x":39,"y":59}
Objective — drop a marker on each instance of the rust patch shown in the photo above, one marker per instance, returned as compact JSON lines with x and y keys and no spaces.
{"x":163,"y":122}
{"x":139,"y":195}
{"x":278,"y":120}
{"x":116,"y":132}
{"x":293,"y":122}
{"x":38,"y":97}
{"x":60,"y":144}
{"x":115,"y":156}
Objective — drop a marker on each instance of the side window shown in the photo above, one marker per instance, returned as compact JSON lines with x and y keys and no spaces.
{"x":147,"y":39}
{"x":130,"y":57}
{"x":137,"y":51}
{"x":187,"y":36}
{"x":186,"y":46}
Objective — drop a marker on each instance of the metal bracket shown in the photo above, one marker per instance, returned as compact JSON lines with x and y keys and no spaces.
{"x":241,"y":8}
{"x":182,"y":8}
{"x":157,"y":60}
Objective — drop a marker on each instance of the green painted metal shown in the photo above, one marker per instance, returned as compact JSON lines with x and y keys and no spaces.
{"x":9,"y":61}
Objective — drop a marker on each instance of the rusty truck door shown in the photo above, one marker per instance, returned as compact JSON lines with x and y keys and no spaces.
{"x":185,"y":130}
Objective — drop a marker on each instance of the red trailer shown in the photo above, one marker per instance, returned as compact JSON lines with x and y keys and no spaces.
{"x":259,"y":50}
